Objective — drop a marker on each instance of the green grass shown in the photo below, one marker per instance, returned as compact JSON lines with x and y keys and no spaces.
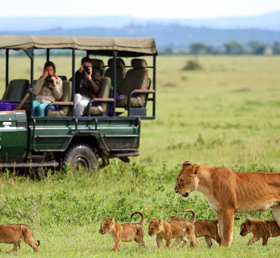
{"x":227,"y":114}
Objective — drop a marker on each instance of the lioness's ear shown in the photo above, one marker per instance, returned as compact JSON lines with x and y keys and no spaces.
{"x":161,"y":222}
{"x":194,"y":170}
{"x":152,"y":219}
{"x":186,"y":164}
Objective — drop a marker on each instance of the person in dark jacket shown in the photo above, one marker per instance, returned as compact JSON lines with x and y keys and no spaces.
{"x":87,"y":86}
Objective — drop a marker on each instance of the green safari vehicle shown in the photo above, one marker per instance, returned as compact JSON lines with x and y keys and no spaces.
{"x":111,"y":123}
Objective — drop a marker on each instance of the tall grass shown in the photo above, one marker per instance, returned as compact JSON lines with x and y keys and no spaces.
{"x":226,"y":115}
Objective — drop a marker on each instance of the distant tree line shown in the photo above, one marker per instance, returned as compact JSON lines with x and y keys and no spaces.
{"x":229,"y":48}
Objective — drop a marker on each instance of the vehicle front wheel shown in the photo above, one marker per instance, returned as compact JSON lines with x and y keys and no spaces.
{"x":81,"y":156}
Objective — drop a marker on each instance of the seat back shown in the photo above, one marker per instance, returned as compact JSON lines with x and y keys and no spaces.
{"x":98,"y":66}
{"x":99,"y":108}
{"x":15,"y":90}
{"x":136,"y":78}
{"x":120,"y":72}
{"x":104,"y":91}
{"x":66,"y":97}
{"x":63,"y":77}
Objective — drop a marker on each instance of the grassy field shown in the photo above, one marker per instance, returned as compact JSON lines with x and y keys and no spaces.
{"x":227,"y":114}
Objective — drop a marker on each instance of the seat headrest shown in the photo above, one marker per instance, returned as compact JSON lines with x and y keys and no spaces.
{"x":138,"y":63}
{"x":97,"y":63}
{"x":119,"y":62}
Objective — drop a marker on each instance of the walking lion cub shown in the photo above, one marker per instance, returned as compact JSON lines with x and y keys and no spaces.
{"x":14,"y":233}
{"x":181,"y":230}
{"x":260,"y":229}
{"x":124,"y":232}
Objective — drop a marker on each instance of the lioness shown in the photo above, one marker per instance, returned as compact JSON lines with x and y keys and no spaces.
{"x":124,"y":232}
{"x":229,"y":192}
{"x":260,"y":229}
{"x":14,"y":233}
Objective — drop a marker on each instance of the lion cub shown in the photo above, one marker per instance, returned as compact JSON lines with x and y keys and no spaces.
{"x":204,"y":228}
{"x":124,"y":232}
{"x":180,"y":230}
{"x":14,"y":233}
{"x":260,"y":229}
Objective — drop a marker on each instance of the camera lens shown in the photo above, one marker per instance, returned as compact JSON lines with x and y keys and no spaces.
{"x":86,"y":69}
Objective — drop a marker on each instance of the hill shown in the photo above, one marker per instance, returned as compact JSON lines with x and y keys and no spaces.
{"x":268,"y":21}
{"x":167,"y":36}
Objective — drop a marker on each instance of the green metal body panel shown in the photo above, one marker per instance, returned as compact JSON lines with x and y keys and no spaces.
{"x":110,"y":135}
{"x":13,"y":136}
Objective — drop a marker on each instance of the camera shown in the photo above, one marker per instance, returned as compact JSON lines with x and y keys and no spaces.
{"x":49,"y":79}
{"x":86,"y":69}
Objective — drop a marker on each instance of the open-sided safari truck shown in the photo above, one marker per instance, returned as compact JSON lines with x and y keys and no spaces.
{"x":110,"y":126}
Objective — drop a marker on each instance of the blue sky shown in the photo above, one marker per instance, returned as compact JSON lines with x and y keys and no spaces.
{"x":141,"y":9}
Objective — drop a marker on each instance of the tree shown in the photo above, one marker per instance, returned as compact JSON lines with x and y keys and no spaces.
{"x":257,"y":48}
{"x":276,"y":48}
{"x":234,"y":48}
{"x":196,"y":49}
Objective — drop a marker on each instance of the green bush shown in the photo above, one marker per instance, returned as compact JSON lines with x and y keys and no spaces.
{"x":192,"y":65}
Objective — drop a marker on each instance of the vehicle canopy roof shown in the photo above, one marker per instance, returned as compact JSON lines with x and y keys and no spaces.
{"x":94,"y":45}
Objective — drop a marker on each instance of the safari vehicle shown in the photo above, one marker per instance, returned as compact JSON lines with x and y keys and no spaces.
{"x":110,"y":126}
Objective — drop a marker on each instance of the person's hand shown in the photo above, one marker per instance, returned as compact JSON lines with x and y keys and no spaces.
{"x":54,"y":81}
{"x":45,"y":74}
{"x":81,"y":70}
{"x":88,"y":75}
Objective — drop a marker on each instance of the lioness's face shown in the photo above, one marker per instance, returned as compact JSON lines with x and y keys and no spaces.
{"x":106,"y":226}
{"x":155,"y":227}
{"x":245,"y":228}
{"x":187,"y":180}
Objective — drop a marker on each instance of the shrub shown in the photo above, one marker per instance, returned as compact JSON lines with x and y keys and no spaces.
{"x":192,"y":65}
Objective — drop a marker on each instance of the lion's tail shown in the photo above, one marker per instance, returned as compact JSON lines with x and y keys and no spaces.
{"x":192,"y":220}
{"x":142,"y":217}
{"x":27,"y":234}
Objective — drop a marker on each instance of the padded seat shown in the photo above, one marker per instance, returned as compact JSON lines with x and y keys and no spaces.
{"x":98,"y":66}
{"x":99,"y":106}
{"x":15,"y":90}
{"x":136,"y":78}
{"x":14,"y":94}
{"x":120,"y":72}
{"x":62,"y":107}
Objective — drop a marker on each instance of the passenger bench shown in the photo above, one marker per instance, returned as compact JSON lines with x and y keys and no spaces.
{"x":135,"y":89}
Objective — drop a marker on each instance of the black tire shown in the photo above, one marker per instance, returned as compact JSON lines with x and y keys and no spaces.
{"x":81,"y":156}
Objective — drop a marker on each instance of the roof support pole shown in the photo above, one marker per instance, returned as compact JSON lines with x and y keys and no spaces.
{"x":30,"y":53}
{"x":154,"y":83}
{"x":114,"y":80}
{"x":7,"y":68}
{"x":48,"y":54}
{"x":73,"y":76}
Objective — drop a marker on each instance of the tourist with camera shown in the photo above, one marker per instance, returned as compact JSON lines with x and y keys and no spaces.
{"x":87,"y":86}
{"x":48,"y":89}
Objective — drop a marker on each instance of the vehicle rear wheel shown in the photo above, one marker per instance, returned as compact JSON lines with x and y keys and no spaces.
{"x":81,"y":156}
